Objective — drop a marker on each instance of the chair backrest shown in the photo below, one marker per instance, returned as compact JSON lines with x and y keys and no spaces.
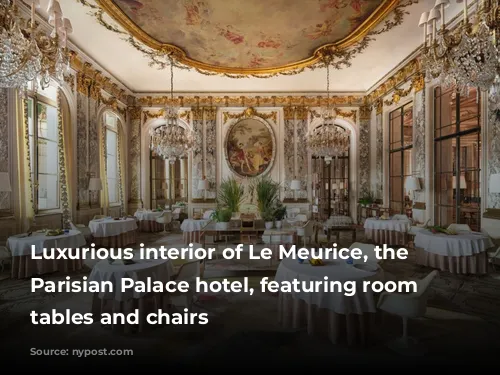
{"x":72,"y":226}
{"x":367,"y":249}
{"x":177,"y":210}
{"x":207,"y":214}
{"x":301,"y":217}
{"x":459,"y":228}
{"x":400,"y":217}
{"x":291,"y":212}
{"x":189,"y":271}
{"x":97,"y":217}
{"x":423,"y":284}
{"x":309,"y":228}
{"x":167,"y":216}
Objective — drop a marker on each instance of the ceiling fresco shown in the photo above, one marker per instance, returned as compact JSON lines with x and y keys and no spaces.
{"x":259,"y":35}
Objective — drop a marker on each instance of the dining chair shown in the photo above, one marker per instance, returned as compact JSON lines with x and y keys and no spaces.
{"x":494,"y":257}
{"x":459,"y":228}
{"x":5,"y":256}
{"x":83,"y":230}
{"x":97,"y":217}
{"x":400,"y":217}
{"x":306,"y":231}
{"x":207,"y":215}
{"x":407,"y":306}
{"x":165,"y":219}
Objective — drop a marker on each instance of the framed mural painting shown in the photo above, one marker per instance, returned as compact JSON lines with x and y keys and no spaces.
{"x":250,"y":147}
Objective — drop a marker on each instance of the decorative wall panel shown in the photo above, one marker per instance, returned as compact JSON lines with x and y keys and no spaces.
{"x":364,"y":153}
{"x":81,"y":144}
{"x":493,"y":141}
{"x":379,"y":154}
{"x":134,"y":154}
{"x":289,"y":151}
{"x":301,"y":168}
{"x":4,"y":146}
{"x":419,"y":141}
{"x":197,"y":160}
{"x":210,"y":150}
{"x":93,"y":137}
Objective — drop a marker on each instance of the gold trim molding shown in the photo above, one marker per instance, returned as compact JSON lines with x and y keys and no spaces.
{"x":247,"y":113}
{"x":252,"y":101}
{"x":333,"y":50}
{"x":345,"y":114}
{"x":147,"y":115}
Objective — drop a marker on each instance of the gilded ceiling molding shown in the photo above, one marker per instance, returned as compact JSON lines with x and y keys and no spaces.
{"x":379,"y":105}
{"x":345,"y":114}
{"x":289,"y":113}
{"x":70,"y":80}
{"x":401,"y":76}
{"x":113,"y":103}
{"x":365,"y":112}
{"x":95,"y":79}
{"x":247,"y":113}
{"x":417,"y":84}
{"x":252,"y":101}
{"x":134,"y":113}
{"x":147,"y":115}
{"x":210,"y":113}
{"x":339,"y":54}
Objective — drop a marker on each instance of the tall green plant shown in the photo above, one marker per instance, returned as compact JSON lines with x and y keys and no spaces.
{"x":230,"y":194}
{"x":266,"y":191}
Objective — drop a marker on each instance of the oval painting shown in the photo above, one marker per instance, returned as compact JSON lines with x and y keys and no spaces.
{"x":250,"y":147}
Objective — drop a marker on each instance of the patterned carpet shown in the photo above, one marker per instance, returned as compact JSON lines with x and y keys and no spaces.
{"x":462,"y":315}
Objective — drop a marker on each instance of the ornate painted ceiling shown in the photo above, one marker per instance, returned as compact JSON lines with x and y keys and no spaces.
{"x":242,"y":36}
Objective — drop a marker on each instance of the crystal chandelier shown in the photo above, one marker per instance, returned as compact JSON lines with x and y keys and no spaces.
{"x":328,"y":140}
{"x":171,"y":141}
{"x":467,"y":56}
{"x":27,"y":53}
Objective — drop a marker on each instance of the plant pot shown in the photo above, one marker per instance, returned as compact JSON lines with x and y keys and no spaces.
{"x":279,"y":224}
{"x":222,"y":225}
{"x":269,"y":224}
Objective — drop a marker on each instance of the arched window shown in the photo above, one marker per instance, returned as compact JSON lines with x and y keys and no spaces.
{"x":112,"y":158}
{"x":44,"y":148}
{"x":400,"y":156}
{"x":457,"y":158}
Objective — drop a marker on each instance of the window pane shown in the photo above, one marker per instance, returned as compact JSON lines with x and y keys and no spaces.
{"x":110,"y":120}
{"x":48,"y":157}
{"x":47,"y":121}
{"x":30,"y":116}
{"x":48,"y":191}
{"x":408,"y":125}
{"x":49,"y":92}
{"x":112,"y":190}
{"x":469,"y":110}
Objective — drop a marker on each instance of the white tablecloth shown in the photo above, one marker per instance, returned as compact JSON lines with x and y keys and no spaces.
{"x":148,"y":215}
{"x":156,"y":269}
{"x":110,"y":227}
{"x":191,"y":225}
{"x":20,"y":245}
{"x":278,"y":236}
{"x":336,"y":270}
{"x":338,"y":221}
{"x":458,"y":245}
{"x":394,"y":225}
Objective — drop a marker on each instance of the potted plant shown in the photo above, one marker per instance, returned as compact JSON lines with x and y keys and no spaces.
{"x":230,"y":195}
{"x":367,"y":199}
{"x":266,"y":191}
{"x":268,"y":217}
{"x":279,"y":214}
{"x":222,"y":216}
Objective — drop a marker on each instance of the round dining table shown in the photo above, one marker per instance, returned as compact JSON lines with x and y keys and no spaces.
{"x":24,"y":266}
{"x":147,"y":220}
{"x":340,"y":317}
{"x":461,"y":253}
{"x":192,"y":229}
{"x":128,"y":300}
{"x":387,"y":231}
{"x":109,"y":232}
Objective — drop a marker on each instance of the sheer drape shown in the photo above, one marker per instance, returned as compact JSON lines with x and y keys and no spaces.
{"x":121,"y":168}
{"x":104,"y":175}
{"x":64,"y":177}
{"x":26,"y":214}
